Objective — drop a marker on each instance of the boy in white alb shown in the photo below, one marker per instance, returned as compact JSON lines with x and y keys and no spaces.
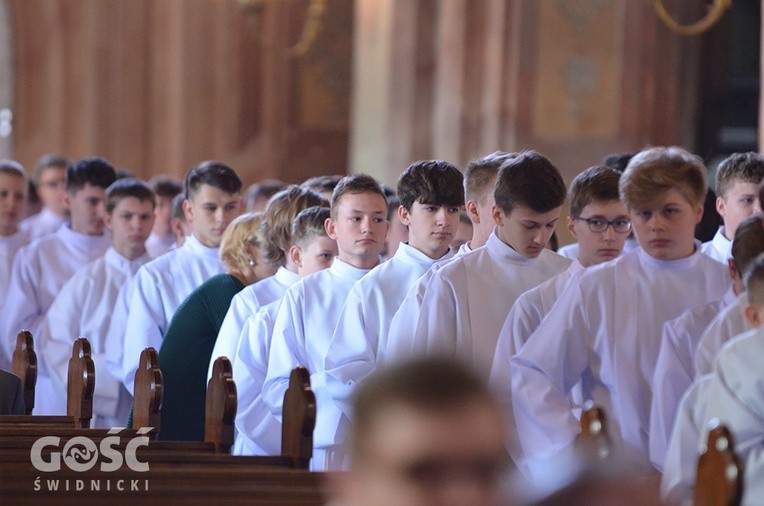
{"x":600,"y":222}
{"x":162,"y":238}
{"x":467,"y":300}
{"x":85,"y":304}
{"x":737,"y":187}
{"x":13,"y":189}
{"x":479,"y":183}
{"x":50,"y":184}
{"x":41,"y":268}
{"x":733,"y":397}
{"x":212,"y":202}
{"x":675,"y":369}
{"x":275,"y":237}
{"x":310,"y":308}
{"x":431,"y":199}
{"x":258,"y":432}
{"x":604,"y":331}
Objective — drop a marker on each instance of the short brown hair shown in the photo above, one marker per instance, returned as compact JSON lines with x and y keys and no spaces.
{"x":654,"y":171}
{"x":276,"y":231}
{"x":754,"y":280}
{"x":353,"y":185}
{"x":310,"y":224}
{"x":529,"y":180}
{"x":240,"y":231}
{"x":748,"y":242}
{"x":427,"y":384}
{"x":128,"y":187}
{"x":13,"y":168}
{"x":745,"y":167}
{"x":46,"y":161}
{"x":481,"y":174}
{"x":595,"y":184}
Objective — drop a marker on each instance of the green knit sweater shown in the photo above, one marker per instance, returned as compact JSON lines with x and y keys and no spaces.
{"x":185,"y":357}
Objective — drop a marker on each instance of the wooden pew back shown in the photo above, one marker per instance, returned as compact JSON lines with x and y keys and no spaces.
{"x":720,"y":476}
{"x":24,"y":365}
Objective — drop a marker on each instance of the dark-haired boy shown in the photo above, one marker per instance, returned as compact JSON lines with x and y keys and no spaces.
{"x":85,"y":304}
{"x":431,"y":199}
{"x":468,"y":299}
{"x":737,"y":189}
{"x":41,"y":268}
{"x":212,"y":202}
{"x":310,"y":308}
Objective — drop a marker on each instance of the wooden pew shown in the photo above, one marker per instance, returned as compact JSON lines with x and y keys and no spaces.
{"x":189,"y":472}
{"x":80,"y":386}
{"x":593,"y":437}
{"x":719,"y":479}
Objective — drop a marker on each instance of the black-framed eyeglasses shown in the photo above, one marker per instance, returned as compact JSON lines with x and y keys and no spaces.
{"x":599,"y":225}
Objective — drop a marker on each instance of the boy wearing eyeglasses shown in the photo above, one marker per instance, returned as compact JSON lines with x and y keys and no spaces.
{"x":604,"y":331}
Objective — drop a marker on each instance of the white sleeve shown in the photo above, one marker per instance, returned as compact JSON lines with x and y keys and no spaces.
{"x":352,"y":352}
{"x":22,"y":310}
{"x":541,"y":381}
{"x":670,"y":381}
{"x":681,"y":459}
{"x":145,"y":326}
{"x":115,"y":336}
{"x":438,"y":326}
{"x":286,"y":353}
{"x":230,"y":331}
{"x":255,"y":424}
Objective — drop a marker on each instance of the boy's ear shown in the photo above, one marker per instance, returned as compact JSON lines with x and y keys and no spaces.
{"x":753,"y":315}
{"x":295,"y":255}
{"x":732,"y":270}
{"x":107,"y":220}
{"x":188,"y":211}
{"x":699,"y":214}
{"x":721,"y":206}
{"x":404,"y":215}
{"x":331,"y":228}
{"x":571,"y":227}
{"x":498,"y":215}
{"x":472,"y":211}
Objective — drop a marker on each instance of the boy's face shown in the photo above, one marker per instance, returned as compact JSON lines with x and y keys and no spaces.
{"x":360,"y":228}
{"x":666,"y":229}
{"x":162,"y":215}
{"x":598,"y":247}
{"x":51,"y":189}
{"x":209,"y":212}
{"x":12,"y":199}
{"x":413,"y":456}
{"x":463,"y":234}
{"x":87,"y":208}
{"x":130,"y":223}
{"x":741,"y":201}
{"x":525,"y":230}
{"x":431,"y":227}
{"x":317,"y":255}
{"x":396,"y":234}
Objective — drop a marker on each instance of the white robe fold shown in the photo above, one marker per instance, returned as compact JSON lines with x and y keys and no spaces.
{"x":160,"y":286}
{"x":681,"y":462}
{"x":39,"y":271}
{"x":719,"y":248}
{"x":85,"y":307}
{"x":244,"y":305}
{"x":675,"y":370}
{"x":467,"y":300}
{"x":258,"y":432}
{"x":360,"y":338}
{"x":605,"y":332}
{"x":729,"y":323}
{"x":43,"y":223}
{"x":157,"y":245}
{"x":303,"y":329}
{"x":9,"y":245}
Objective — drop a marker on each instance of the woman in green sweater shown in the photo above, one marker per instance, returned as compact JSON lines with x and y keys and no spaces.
{"x":187,"y":346}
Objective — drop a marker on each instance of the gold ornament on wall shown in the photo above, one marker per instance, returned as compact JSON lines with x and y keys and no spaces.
{"x":310,"y":29}
{"x":714,"y":14}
